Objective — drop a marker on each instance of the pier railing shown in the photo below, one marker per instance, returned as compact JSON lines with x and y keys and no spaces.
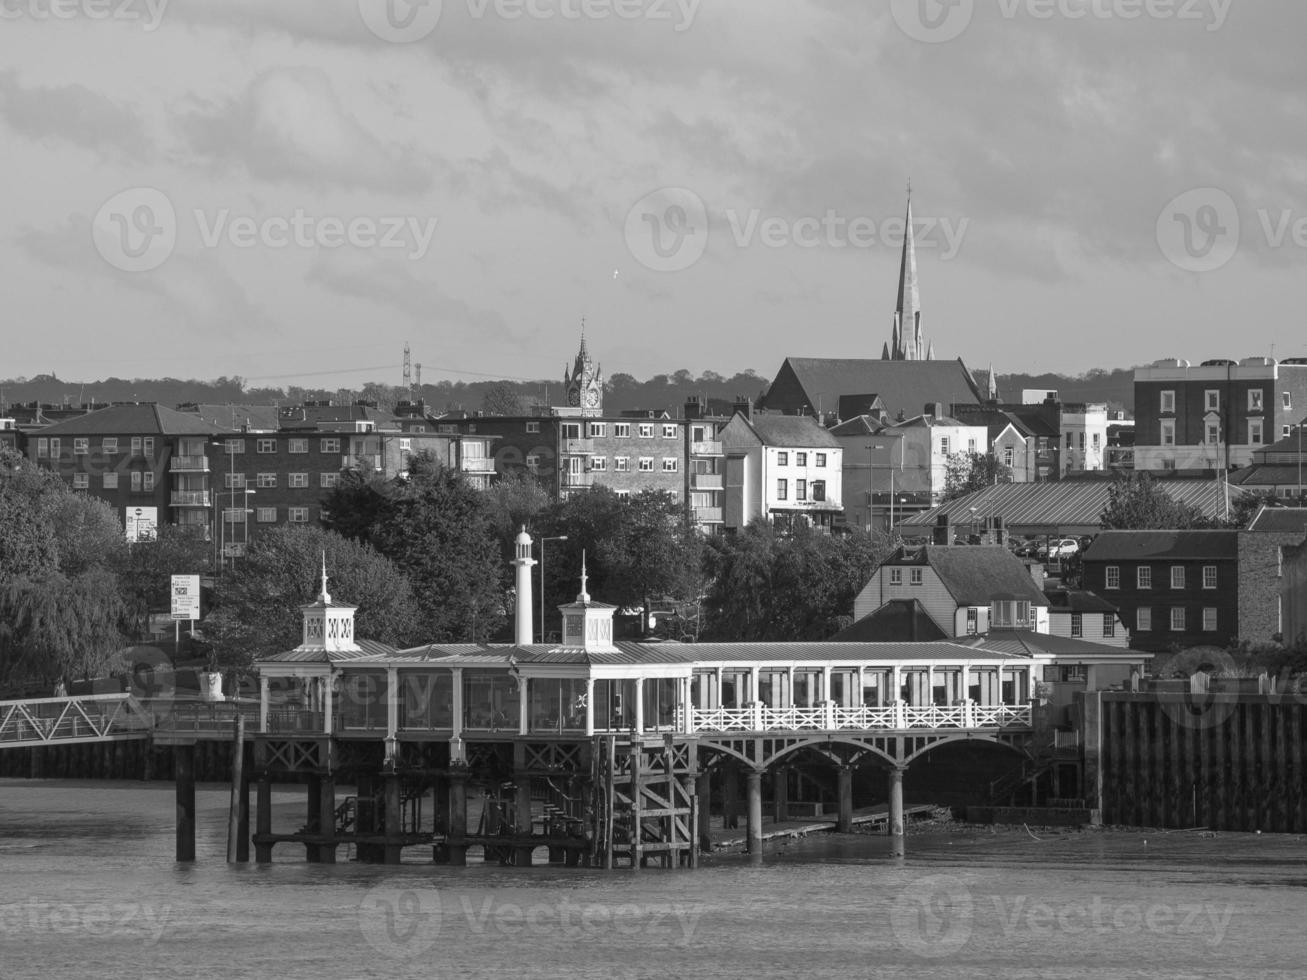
{"x":90,"y":718}
{"x":831,"y":717}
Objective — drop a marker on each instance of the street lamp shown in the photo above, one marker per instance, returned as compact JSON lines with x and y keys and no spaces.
{"x":560,"y":537}
{"x":220,"y":539}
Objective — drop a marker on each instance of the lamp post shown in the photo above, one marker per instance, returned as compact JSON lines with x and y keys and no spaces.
{"x":221,"y":537}
{"x":560,"y":537}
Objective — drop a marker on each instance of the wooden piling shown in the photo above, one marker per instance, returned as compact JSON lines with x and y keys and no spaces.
{"x":896,"y":823}
{"x":184,"y":775}
{"x":753,"y":814}
{"x":238,"y":838}
{"x":844,"y":822}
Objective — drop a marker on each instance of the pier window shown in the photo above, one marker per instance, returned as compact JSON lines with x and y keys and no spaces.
{"x":807,"y":689}
{"x":614,"y":704}
{"x":843,"y":688}
{"x":490,"y":701}
{"x":703,"y":689}
{"x":774,"y":688}
{"x":556,"y":704}
{"x":361,"y":702}
{"x":735,"y":688}
{"x":875,"y":689}
{"x":660,"y":702}
{"x":913,"y":689}
{"x":427,"y":701}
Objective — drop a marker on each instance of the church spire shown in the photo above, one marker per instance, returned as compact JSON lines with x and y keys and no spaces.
{"x":907,"y":312}
{"x":992,"y":393}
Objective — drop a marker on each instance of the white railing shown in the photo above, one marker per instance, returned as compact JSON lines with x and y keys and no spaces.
{"x":831,"y":717}
{"x":91,"y":718}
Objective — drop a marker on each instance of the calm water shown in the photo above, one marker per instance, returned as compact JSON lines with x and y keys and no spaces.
{"x":88,"y":889}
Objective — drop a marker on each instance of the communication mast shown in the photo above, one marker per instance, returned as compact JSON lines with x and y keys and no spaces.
{"x":408,"y":372}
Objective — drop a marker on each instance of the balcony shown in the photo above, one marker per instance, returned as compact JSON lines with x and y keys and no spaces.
{"x":483,"y":465}
{"x":189,"y":464}
{"x":360,"y":460}
{"x":706,"y":449}
{"x":191,"y":498}
{"x":707,"y":481}
{"x":577,"y":481}
{"x":578,"y":447}
{"x":708,"y":515}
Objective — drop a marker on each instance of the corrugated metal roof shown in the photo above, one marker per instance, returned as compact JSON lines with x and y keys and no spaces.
{"x":1065,"y":505}
{"x":865,"y":652}
{"x":1140,"y":545}
{"x":1280,"y":520}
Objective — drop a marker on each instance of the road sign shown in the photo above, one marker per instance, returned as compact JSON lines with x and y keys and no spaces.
{"x":185,"y":597}
{"x":141,"y":523}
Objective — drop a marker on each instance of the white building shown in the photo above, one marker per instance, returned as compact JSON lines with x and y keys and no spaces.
{"x":782,"y":468}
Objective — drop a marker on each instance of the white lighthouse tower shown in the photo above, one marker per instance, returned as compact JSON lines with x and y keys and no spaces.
{"x":524,"y":563}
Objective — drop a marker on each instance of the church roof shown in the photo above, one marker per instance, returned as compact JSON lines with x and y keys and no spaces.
{"x":816,"y":383}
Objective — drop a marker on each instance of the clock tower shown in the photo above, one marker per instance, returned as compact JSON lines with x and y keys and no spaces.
{"x":583,"y":383}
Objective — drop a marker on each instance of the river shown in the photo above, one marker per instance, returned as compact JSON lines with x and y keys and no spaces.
{"x":88,"y":889}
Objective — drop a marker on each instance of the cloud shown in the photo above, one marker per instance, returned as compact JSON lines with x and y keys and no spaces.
{"x":290,"y":126}
{"x":72,"y":114}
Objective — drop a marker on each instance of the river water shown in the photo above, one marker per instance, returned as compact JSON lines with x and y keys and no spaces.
{"x":88,"y":889}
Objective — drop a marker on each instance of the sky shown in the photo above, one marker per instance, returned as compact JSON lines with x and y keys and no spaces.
{"x":292,"y":190}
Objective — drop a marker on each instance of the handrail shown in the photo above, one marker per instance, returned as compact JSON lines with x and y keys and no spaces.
{"x":831,"y":717}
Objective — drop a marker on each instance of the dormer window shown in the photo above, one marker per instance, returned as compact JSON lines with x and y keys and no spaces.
{"x":1010,"y":613}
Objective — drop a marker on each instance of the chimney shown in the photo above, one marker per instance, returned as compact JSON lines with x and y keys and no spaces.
{"x":935,"y":410}
{"x":744,"y":407}
{"x":695,"y":408}
{"x":942,"y":533}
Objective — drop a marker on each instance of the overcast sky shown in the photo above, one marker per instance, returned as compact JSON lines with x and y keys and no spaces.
{"x":289,"y":190}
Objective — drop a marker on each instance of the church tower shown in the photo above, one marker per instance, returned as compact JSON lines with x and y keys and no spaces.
{"x":584,"y":383}
{"x":907,"y":341}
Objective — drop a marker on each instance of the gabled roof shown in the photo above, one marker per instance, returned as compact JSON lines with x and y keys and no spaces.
{"x":1280,"y":520}
{"x":902,"y":385}
{"x":1143,"y":545}
{"x":146,"y":419}
{"x":898,"y":621}
{"x":784,"y":431}
{"x":1077,"y":601}
{"x":261,"y":418}
{"x":975,"y":575}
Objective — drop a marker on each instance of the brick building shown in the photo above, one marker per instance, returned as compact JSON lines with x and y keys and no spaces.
{"x":1261,"y":558}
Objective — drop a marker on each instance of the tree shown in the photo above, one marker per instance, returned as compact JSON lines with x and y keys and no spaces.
{"x":1138,"y":503}
{"x":502,"y":398}
{"x":145,"y":571}
{"x":650,"y":552}
{"x":258,"y":604}
{"x":354,"y":505}
{"x":970,"y":471}
{"x":517,"y":500}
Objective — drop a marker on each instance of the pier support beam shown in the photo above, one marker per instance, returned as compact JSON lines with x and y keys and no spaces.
{"x":184,"y":774}
{"x":327,"y":818}
{"x":522,"y":819}
{"x":844,"y":822}
{"x":263,"y":819}
{"x":313,"y":817}
{"x":896,"y":830}
{"x":703,"y":792}
{"x":780,"y":794}
{"x":238,"y":816}
{"x":394,"y":818}
{"x":457,"y":841}
{"x":753,"y":780}
{"x":730,"y":795}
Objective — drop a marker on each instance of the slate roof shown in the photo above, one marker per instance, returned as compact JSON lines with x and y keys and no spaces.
{"x":1267,"y":475}
{"x":145,"y":419}
{"x":1178,"y":545}
{"x":899,"y":621}
{"x":262,"y":418}
{"x":902,"y":385}
{"x":1280,"y":520}
{"x":1078,"y":601}
{"x":786,"y":431}
{"x":975,"y":575}
{"x":1027,"y":643}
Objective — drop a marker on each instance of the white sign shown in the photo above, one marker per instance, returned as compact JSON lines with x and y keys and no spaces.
{"x":142,"y":523}
{"x":185,"y":597}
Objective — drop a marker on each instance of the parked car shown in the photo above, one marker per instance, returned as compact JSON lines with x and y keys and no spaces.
{"x":1061,"y":548}
{"x":1024,"y":548}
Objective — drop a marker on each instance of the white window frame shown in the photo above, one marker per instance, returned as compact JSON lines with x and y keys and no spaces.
{"x":298,"y":515}
{"x":1178,"y":613}
{"x":1167,"y":406}
{"x":646,"y":464}
{"x":328,"y":480}
{"x":330,"y":445}
{"x":1166,"y":432}
{"x":598,"y":430}
{"x":1109,"y":626}
{"x":1144,"y":619}
{"x":1113,"y":577}
{"x":646,"y":431}
{"x":669,"y":432}
{"x":265,"y":515}
{"x":621,"y":464}
{"x":1077,"y":624}
{"x":265,"y":481}
{"x":1211,"y":399}
{"x":896,"y":576}
{"x":1144,"y":577}
{"x":81,"y":481}
{"x":1209,"y":577}
{"x":268,"y":446}
{"x":598,"y":464}
{"x":917,"y":576}
{"x":532,"y":428}
{"x":109,"y":445}
{"x":1287,"y":400}
{"x":671,"y":464}
{"x":1177,"y":576}
{"x":1210,"y":619}
{"x":1255,"y":399}
{"x":297,"y":481}
{"x":1256,"y":432}
{"x":81,"y":446}
{"x":622,"y":430}
{"x":148,"y":481}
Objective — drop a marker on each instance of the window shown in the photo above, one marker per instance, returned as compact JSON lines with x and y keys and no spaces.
{"x":669,"y":464}
{"x":917,"y":577}
{"x":533,"y":428}
{"x":231,"y":447}
{"x":943,"y":446}
{"x":233,"y":481}
{"x":800,"y":459}
{"x":1144,"y":577}
{"x":1143,"y":619}
{"x":782,"y":459}
{"x":532,"y":462}
{"x":971,"y":445}
{"x":1008,"y":457}
{"x":1255,"y":432}
{"x":598,"y":430}
{"x":81,"y":446}
{"x":1212,"y":400}
{"x":1109,"y":625}
{"x":136,"y":481}
{"x":149,"y":480}
{"x":1209,"y":576}
{"x":81,"y":481}
{"x":296,"y":445}
{"x":1114,"y":576}
{"x":669,"y":432}
{"x":1177,"y":576}
{"x":1286,"y":431}
{"x":1287,"y":399}
{"x":1098,"y":440}
{"x":329,"y":446}
{"x":1168,"y":433}
{"x":445,"y":428}
{"x":621,"y":464}
{"x":598,"y":464}
{"x":109,"y":446}
{"x":1254,"y":399}
{"x":266,"y":481}
{"x":328,"y":480}
{"x":782,"y":489}
{"x":1177,"y":619}
{"x":1070,"y":440}
{"x":819,"y":490}
{"x":973,"y":621}
{"x":821,"y":460}
{"x":298,"y":515}
{"x":1082,"y":442}
{"x":136,"y":446}
{"x":622,"y":430}
{"x":646,"y":464}
{"x":1168,"y":403}
{"x":571,"y":430}
{"x":1213,"y":431}
{"x":232,"y":515}
{"x":111,"y":481}
{"x":1077,"y":625}
{"x":646,"y":432}
{"x":147,"y":447}
{"x":1209,"y":620}
{"x":42,"y":448}
{"x":298,"y":481}
{"x":896,"y":576}
{"x":266,"y":515}
{"x":800,"y":489}
{"x":270,"y":445}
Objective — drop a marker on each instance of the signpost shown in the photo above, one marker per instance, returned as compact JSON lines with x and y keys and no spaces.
{"x":141,"y":523}
{"x":185,"y":602}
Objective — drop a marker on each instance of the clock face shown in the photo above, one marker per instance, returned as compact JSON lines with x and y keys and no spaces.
{"x":591,"y":398}
{"x":574,"y":397}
